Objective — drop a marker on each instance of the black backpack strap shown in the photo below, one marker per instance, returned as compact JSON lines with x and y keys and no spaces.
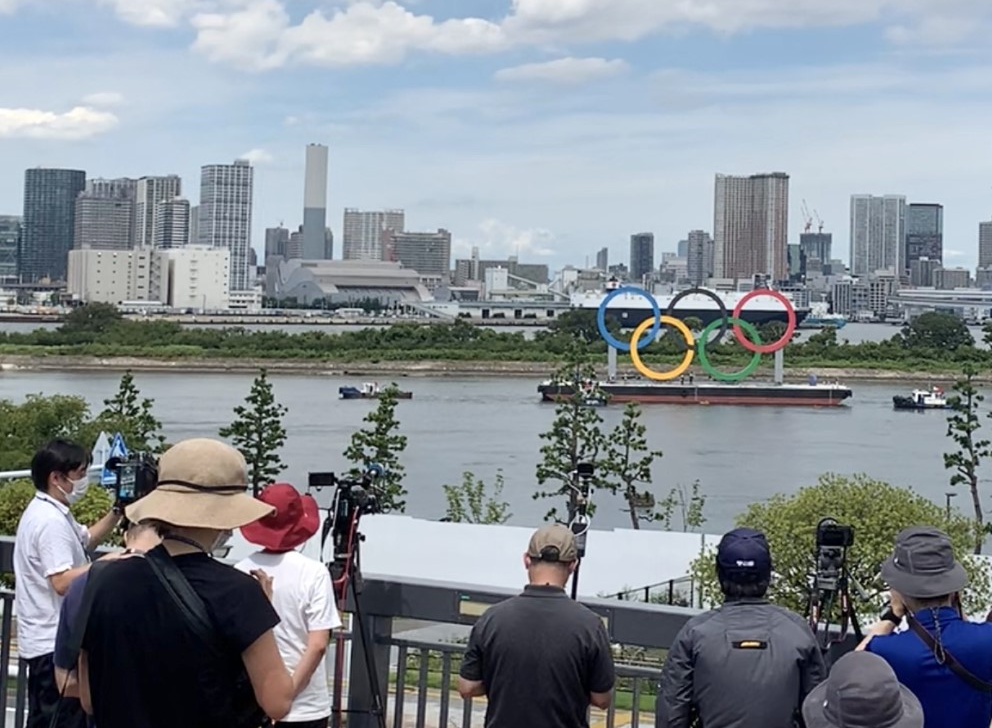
{"x":78,"y":631}
{"x":944,"y":657}
{"x":190,"y":604}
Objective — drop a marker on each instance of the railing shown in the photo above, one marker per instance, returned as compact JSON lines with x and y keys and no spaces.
{"x":673,"y":592}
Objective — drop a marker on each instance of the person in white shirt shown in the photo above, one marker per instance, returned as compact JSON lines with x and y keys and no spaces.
{"x":302,"y":595}
{"x":50,"y":551}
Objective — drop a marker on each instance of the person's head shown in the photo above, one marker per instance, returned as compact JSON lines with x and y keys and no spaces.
{"x":922,"y":570}
{"x":862,"y":691}
{"x":744,"y":564}
{"x":551,"y":556}
{"x":60,"y":470}
{"x":141,"y":537}
{"x":200,"y":494}
{"x":295,"y":520}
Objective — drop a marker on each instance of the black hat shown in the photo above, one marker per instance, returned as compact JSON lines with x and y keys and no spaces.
{"x":862,"y":692}
{"x":743,"y":556}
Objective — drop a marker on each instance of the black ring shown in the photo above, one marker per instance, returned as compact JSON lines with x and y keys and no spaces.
{"x":670,"y":311}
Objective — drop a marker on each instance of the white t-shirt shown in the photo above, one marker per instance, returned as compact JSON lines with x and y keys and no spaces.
{"x":49,"y":541}
{"x":303,"y":598}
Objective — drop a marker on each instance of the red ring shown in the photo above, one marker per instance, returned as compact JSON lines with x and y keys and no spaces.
{"x":789,"y":329}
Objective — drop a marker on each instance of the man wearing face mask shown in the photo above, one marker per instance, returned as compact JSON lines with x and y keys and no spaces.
{"x":50,"y":552}
{"x":144,"y":663}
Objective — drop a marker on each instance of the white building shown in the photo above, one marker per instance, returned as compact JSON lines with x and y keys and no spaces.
{"x":191,"y":277}
{"x":225,"y":215}
{"x":150,"y":192}
{"x":362,"y":232}
{"x":878,"y":227}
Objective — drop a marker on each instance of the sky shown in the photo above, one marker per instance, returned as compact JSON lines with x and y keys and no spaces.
{"x":542,"y":128}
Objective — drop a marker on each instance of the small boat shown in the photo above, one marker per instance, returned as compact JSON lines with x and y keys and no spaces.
{"x":369,"y":390}
{"x":922,"y":399}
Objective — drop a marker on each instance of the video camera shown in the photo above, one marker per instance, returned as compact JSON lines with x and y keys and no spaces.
{"x":832,"y":542}
{"x":137,"y":476}
{"x":354,"y":497}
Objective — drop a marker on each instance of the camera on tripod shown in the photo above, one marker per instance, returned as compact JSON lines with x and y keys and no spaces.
{"x":137,"y":476}
{"x":832,"y":542}
{"x":354,"y":497}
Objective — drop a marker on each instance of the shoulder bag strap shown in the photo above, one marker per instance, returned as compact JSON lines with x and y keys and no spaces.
{"x":78,"y":631}
{"x":939,"y":651}
{"x":190,"y":604}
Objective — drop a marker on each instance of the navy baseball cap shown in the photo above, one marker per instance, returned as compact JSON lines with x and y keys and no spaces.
{"x":743,"y":556}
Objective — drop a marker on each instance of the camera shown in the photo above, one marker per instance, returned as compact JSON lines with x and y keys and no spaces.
{"x":832,"y":542}
{"x":354,"y":497}
{"x":137,"y":476}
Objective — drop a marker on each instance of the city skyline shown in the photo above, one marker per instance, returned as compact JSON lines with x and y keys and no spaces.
{"x":518,"y":130}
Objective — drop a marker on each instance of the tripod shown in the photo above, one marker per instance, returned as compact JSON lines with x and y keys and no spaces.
{"x":827,"y":593}
{"x":580,"y":519}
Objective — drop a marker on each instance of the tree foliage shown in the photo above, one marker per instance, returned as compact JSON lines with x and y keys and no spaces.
{"x":92,"y":318}
{"x":131,"y":414}
{"x":575,"y":437}
{"x":937,"y":330}
{"x":469,"y":502}
{"x":627,"y":463}
{"x":381,"y":443}
{"x":688,"y":504}
{"x":963,"y":425}
{"x":15,"y":496}
{"x":258,"y":432}
{"x":26,"y":427}
{"x":876,"y":510}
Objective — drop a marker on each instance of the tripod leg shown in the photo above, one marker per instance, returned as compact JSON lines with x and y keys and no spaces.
{"x":575,"y":580}
{"x":372,"y":673}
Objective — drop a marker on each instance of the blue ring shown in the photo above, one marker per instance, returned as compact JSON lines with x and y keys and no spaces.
{"x":601,"y":318}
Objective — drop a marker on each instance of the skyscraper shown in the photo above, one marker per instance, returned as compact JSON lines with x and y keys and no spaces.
{"x":276,"y":240}
{"x":816,"y":245}
{"x":315,"y":203}
{"x":751,"y":226}
{"x":924,"y":233}
{"x":10,"y":243}
{"x":641,"y":256}
{"x":603,"y":259}
{"x":699,"y":250}
{"x":170,"y":228}
{"x":150,"y":192}
{"x":105,"y":215}
{"x":49,"y":222}
{"x":363,"y":232}
{"x":427,"y":253}
{"x":877,"y":234}
{"x":985,"y":244}
{"x":225,"y":215}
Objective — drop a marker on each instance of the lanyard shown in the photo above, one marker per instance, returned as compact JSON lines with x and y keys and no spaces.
{"x":69,"y":520}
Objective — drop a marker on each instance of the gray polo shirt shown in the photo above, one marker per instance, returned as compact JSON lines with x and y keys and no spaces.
{"x":539,"y":656}
{"x":748,"y":664}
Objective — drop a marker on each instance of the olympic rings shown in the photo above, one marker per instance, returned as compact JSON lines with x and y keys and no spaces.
{"x":790,"y":327}
{"x":601,"y":317}
{"x":647,"y":371}
{"x":733,"y":376}
{"x":692,"y":344}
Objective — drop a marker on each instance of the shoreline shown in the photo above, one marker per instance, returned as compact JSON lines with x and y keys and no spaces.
{"x":21,"y":363}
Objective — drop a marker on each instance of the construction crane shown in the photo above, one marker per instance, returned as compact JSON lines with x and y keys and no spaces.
{"x":819,"y":221}
{"x":807,"y":218}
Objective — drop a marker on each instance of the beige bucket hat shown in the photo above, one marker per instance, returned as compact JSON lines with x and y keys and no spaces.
{"x":201,"y":484}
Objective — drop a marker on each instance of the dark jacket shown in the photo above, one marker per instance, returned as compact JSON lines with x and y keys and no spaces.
{"x":747,"y":664}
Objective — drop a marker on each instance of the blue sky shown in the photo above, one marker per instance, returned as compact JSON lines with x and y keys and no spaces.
{"x":548,"y":128}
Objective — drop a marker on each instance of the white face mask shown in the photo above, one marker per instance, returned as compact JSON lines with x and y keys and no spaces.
{"x":79,"y":488}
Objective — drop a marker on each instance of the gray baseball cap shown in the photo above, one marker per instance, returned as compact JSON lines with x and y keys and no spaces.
{"x":862,"y":692}
{"x":923,"y":564}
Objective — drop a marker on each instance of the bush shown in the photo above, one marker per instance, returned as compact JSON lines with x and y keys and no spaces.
{"x":15,"y":496}
{"x":877,"y":510}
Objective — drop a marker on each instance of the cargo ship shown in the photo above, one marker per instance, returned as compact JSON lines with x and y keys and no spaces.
{"x":812,"y":394}
{"x":630,"y":309}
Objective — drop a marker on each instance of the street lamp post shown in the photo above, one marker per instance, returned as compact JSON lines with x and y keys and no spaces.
{"x":947,"y":497}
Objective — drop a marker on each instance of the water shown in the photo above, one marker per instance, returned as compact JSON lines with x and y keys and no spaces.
{"x":740,"y":455}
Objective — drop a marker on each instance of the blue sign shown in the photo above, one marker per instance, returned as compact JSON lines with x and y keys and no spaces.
{"x":117,"y":450}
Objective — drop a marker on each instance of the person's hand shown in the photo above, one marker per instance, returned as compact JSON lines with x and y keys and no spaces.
{"x":264,"y":580}
{"x":897,"y":605}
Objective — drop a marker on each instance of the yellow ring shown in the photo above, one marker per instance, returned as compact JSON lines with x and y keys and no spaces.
{"x":644,"y":369}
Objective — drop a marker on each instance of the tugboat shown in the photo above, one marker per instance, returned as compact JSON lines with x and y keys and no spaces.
{"x":369,"y":390}
{"x":921,"y":399}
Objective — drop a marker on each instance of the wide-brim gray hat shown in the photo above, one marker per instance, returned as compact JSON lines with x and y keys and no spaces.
{"x":862,"y":692}
{"x":922,"y":564}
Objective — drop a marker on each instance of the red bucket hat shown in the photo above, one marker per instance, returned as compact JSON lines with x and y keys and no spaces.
{"x":296,"y":519}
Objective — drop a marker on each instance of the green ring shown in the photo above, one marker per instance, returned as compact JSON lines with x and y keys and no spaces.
{"x":704,"y":361}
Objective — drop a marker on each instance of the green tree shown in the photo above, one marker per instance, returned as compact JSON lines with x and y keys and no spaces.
{"x":382,"y":444}
{"x":26,"y":427}
{"x":258,"y":432}
{"x":963,"y":425}
{"x":627,"y":462}
{"x":131,"y":414}
{"x":575,"y":437}
{"x":936,"y":330}
{"x":580,"y":323}
{"x":468,"y":501}
{"x":876,"y":510}
{"x":688,"y":504}
{"x":94,"y":318}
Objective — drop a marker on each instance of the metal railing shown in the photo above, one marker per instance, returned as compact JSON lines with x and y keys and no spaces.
{"x":680,"y":592}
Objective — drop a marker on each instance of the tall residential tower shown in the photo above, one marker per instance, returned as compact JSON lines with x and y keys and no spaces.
{"x":362,"y":238}
{"x":49,"y":223}
{"x":225,"y":215}
{"x":878,"y":227}
{"x":751,"y":226}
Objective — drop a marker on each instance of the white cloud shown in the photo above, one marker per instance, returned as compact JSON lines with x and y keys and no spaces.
{"x":104,"y":99}
{"x":564,"y":70}
{"x":499,"y":239}
{"x":8,"y":6}
{"x":257,"y":156}
{"x":152,"y":13}
{"x":77,"y":123}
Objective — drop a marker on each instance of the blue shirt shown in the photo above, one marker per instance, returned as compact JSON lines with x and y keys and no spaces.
{"x":948,"y":701}
{"x":67,"y":619}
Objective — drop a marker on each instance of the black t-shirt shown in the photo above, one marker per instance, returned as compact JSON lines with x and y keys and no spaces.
{"x":144,"y":661}
{"x":539,"y":656}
